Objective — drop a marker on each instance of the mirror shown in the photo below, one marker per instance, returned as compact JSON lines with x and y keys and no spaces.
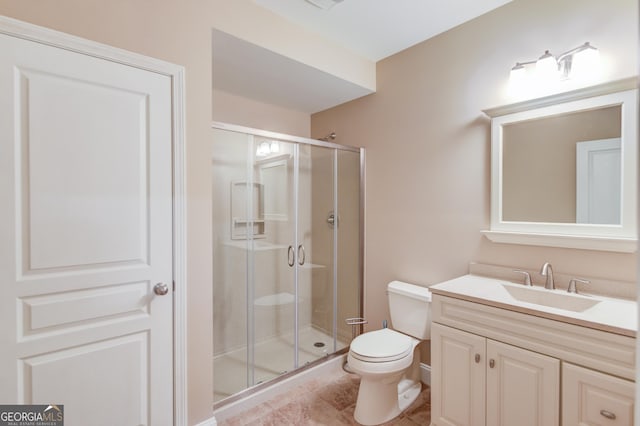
{"x":564,"y":170}
{"x":274,"y":176}
{"x":541,"y":159}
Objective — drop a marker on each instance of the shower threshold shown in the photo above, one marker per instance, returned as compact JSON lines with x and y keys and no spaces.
{"x":273,"y":358}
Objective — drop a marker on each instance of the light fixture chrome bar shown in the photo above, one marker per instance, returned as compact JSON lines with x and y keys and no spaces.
{"x":564,"y":61}
{"x":584,"y":46}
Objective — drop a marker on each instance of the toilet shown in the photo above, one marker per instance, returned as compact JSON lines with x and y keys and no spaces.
{"x":388,"y":360}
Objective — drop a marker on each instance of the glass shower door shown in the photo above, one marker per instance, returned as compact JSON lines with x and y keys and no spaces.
{"x":316,"y":254}
{"x":329,"y":262}
{"x":286,"y":255}
{"x":254,"y":287}
{"x":348,"y":250}
{"x":271,"y":285}
{"x":231,"y":188}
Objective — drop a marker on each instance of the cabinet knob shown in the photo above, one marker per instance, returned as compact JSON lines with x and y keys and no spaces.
{"x":477,"y":358}
{"x":608,"y":414}
{"x":492,"y":363}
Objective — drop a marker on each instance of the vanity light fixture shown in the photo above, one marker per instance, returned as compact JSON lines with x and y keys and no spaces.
{"x":576,"y":63}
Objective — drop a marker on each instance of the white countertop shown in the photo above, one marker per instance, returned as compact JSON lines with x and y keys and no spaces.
{"x":612,"y":315}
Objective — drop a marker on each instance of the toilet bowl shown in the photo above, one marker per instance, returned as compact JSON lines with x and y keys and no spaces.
{"x":388,"y":360}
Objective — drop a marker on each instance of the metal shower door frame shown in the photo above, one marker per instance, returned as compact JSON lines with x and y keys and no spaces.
{"x":297,"y":140}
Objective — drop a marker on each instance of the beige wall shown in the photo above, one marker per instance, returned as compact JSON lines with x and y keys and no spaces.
{"x":234,"y":109}
{"x":178,"y":32}
{"x":428,"y":143}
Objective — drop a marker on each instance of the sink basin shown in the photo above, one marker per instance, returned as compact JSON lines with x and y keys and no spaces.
{"x":607,"y":314}
{"x":551,"y":298}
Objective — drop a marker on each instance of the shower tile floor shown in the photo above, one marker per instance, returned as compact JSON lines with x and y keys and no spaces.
{"x":328,"y":400}
{"x":273,"y":357}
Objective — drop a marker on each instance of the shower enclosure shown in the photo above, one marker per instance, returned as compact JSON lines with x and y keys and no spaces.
{"x":287,"y":235}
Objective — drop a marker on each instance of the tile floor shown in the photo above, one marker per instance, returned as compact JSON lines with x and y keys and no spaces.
{"x":329,"y":400}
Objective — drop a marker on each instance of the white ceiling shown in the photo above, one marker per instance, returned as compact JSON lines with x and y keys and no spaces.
{"x":373,"y":29}
{"x":376,"y":29}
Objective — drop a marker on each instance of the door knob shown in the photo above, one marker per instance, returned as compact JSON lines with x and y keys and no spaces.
{"x":161,"y":289}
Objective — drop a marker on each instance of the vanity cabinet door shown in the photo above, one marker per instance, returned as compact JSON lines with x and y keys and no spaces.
{"x":523,"y":387}
{"x":457,"y":377}
{"x":591,"y":398}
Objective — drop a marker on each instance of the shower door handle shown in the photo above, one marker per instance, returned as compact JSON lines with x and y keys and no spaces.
{"x":291,"y":257}
{"x":301,"y":257}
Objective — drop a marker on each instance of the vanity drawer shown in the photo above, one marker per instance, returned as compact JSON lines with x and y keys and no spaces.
{"x":591,"y":398}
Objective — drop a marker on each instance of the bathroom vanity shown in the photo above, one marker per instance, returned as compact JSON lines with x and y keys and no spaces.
{"x":506,"y":354}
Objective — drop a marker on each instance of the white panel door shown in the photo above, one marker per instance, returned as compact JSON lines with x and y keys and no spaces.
{"x":85,"y":235}
{"x":457,"y":377}
{"x":523,"y":387}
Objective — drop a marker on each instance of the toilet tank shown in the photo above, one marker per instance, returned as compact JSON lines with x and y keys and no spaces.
{"x":410,"y":307}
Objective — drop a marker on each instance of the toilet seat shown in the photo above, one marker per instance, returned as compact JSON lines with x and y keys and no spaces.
{"x":383,"y":345}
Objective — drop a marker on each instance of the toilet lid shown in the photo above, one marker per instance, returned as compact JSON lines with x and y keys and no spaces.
{"x":381,"y":346}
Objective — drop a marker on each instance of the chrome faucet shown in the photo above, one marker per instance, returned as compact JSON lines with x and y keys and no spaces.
{"x":527,"y":277}
{"x":547,"y":271}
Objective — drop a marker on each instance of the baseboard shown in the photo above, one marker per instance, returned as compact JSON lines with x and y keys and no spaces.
{"x":425,"y":373}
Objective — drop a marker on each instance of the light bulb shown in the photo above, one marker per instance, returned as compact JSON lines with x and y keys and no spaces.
{"x":547,"y":67}
{"x":274,"y":148}
{"x":585,"y":62}
{"x":518,"y":74}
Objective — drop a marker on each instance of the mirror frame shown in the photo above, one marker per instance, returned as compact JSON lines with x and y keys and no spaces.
{"x":620,"y":237}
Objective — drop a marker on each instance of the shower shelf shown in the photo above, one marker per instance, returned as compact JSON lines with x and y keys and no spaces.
{"x":258,"y":245}
{"x":277,"y":299}
{"x":312,"y":266}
